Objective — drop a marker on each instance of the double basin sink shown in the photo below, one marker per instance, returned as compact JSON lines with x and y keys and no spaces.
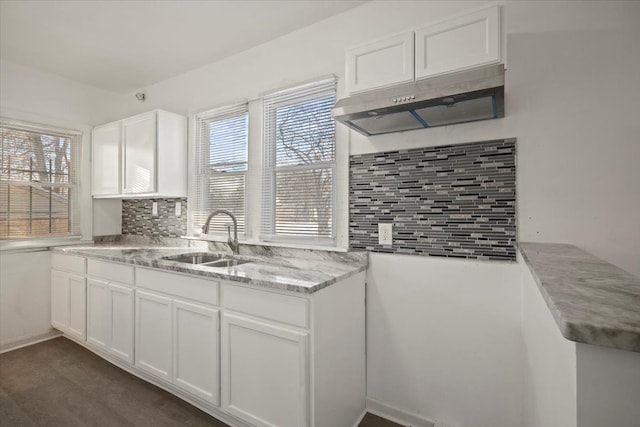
{"x":207,"y":259}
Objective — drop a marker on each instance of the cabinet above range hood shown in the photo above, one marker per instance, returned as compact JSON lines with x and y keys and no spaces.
{"x":459,"y":97}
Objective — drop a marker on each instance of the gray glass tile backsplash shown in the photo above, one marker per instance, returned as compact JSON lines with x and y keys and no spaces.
{"x":137,"y":219}
{"x":449,"y":201}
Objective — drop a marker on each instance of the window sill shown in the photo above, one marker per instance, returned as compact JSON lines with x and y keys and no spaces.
{"x":33,"y":245}
{"x":280,"y":244}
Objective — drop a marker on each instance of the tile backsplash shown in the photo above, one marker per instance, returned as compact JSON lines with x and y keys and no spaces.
{"x":137,"y":219}
{"x":449,"y":201}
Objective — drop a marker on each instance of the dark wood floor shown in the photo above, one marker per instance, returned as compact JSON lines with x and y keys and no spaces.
{"x":59,"y":383}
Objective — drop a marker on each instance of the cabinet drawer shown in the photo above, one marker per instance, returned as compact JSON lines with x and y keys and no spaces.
{"x":72,"y":263}
{"x":110,"y":271}
{"x":269,"y":305}
{"x":202,"y":290}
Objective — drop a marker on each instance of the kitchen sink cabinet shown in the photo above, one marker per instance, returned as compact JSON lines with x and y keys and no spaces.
{"x":177,"y":331}
{"x":141,"y":156}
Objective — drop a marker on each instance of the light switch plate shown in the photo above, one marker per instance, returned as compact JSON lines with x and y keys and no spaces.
{"x":385,"y":234}
{"x":178,"y":209}
{"x":154,"y":209}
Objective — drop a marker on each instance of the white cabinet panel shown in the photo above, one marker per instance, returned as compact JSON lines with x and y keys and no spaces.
{"x":59,"y":300}
{"x":460,"y":43}
{"x":195,"y":352}
{"x":153,"y":327}
{"x":77,"y":306}
{"x":269,"y":305}
{"x":121,"y":325}
{"x":264,"y":372}
{"x":382,"y":63}
{"x":97,"y":320}
{"x":106,"y":160}
{"x":139,"y":154}
{"x":71,"y":263}
{"x":68,"y":303}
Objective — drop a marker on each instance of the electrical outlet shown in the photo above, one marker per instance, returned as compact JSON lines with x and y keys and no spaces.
{"x":154,"y":209}
{"x":178,"y":209}
{"x":385,"y":234}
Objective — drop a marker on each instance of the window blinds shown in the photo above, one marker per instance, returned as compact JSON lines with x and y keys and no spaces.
{"x":222,"y":156}
{"x":38,"y":181}
{"x":299,"y":164}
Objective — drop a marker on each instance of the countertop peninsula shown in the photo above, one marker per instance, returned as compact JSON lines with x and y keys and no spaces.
{"x":591,"y":300}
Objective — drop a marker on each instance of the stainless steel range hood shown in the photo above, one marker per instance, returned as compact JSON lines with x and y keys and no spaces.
{"x":460,"y":97}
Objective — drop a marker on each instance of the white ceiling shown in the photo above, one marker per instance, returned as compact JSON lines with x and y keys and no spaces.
{"x":125,"y":45}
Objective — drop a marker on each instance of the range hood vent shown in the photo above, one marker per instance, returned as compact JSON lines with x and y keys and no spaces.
{"x":460,"y":97}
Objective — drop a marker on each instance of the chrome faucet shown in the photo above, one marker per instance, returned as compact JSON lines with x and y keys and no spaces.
{"x":233,"y":243}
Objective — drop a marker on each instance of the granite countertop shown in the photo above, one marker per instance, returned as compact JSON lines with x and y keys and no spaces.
{"x":592,"y":301}
{"x":305,"y":275}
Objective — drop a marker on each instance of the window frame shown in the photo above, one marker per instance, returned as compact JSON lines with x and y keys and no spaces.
{"x":291,"y":96}
{"x":76,"y":196}
{"x":198,"y":163}
{"x":254,"y":182}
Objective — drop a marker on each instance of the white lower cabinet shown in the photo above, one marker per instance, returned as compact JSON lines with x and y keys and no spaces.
{"x":68,"y":303}
{"x":247,"y":355}
{"x":153,"y":334}
{"x":265,"y":373}
{"x":120,"y":321}
{"x":195,"y":350}
{"x":178,"y":341}
{"x":110,"y":318}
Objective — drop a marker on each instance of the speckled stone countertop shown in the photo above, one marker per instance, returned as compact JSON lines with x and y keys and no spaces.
{"x":317,"y":270}
{"x":592,"y":301}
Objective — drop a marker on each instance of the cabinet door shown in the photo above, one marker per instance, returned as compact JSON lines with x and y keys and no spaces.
{"x":153,"y":330}
{"x":378,"y":64}
{"x":264,"y":372}
{"x":97,"y":313}
{"x":77,"y":306}
{"x":464,"y":42}
{"x":106,"y":160}
{"x":195,"y":352}
{"x":120,"y":318}
{"x":139,"y":154}
{"x":59,"y":300}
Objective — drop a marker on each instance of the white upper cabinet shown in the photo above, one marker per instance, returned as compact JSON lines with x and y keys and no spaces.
{"x":141,"y":156}
{"x":106,"y":160}
{"x":381,"y":63}
{"x":460,"y":43}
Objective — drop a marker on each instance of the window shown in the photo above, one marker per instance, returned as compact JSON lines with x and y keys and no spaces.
{"x":299,"y":164}
{"x":221,"y":153}
{"x":38,"y":181}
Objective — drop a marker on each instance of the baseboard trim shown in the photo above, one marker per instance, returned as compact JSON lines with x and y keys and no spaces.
{"x":25,"y":342}
{"x":397,"y":415}
{"x":359,"y":420}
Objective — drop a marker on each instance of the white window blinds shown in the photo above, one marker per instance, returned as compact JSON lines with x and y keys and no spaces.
{"x":38,"y":181}
{"x":221,"y":153}
{"x":299,"y":164}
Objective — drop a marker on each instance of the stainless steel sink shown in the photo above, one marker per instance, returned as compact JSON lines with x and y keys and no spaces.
{"x":195,"y":258}
{"x":226,"y":263}
{"x":207,"y":259}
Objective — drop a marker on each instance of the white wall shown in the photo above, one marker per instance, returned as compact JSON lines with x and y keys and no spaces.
{"x":443,"y":339}
{"x":549,"y":363}
{"x":25,"y":297}
{"x":30,"y":95}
